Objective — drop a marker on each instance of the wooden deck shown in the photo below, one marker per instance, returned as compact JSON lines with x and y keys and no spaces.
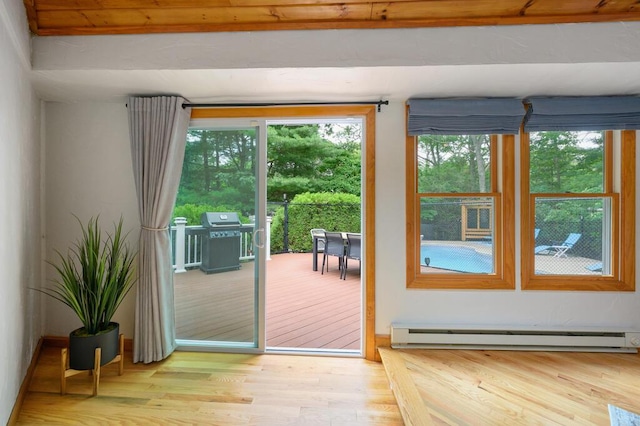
{"x":304,"y":309}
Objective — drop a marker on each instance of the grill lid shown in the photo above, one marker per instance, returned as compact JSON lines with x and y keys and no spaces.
{"x":220,"y":219}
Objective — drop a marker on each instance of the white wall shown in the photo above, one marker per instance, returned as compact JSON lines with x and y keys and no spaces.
{"x":20,"y":207}
{"x":89,"y":173}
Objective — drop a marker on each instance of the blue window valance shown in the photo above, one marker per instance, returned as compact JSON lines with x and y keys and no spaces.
{"x":464,"y":116}
{"x":582,"y":113}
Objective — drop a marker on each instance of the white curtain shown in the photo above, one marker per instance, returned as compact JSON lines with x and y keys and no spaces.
{"x":158,"y":129}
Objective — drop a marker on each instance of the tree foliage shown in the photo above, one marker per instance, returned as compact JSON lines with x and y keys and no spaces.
{"x":219,"y":166}
{"x":300,"y":160}
{"x":219,"y":169}
{"x":453,"y":163}
{"x":569,"y":162}
{"x":566,"y":162}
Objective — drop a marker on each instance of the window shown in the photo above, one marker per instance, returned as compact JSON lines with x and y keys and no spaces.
{"x":460,"y":196}
{"x":578,"y":192}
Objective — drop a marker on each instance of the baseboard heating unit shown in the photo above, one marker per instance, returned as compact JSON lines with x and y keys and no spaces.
{"x":514,"y":338}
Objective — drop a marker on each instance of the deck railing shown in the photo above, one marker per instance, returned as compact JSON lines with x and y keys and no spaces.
{"x":186,"y":243}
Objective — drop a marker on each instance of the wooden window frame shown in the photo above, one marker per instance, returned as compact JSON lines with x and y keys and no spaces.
{"x":622,"y":276}
{"x":502,"y":191}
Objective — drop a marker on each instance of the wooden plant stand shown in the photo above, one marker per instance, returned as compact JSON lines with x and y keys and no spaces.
{"x":65,"y":371}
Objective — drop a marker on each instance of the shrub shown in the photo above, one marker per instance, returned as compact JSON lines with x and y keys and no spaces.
{"x":333,"y":212}
{"x":192,"y":212}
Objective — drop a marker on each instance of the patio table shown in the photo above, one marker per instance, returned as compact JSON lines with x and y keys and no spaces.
{"x":315,"y":247}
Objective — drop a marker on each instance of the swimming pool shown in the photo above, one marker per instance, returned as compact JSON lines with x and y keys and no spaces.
{"x":456,"y":258}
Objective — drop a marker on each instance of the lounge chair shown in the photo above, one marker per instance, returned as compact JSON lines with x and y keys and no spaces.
{"x":595,"y":267}
{"x":334,"y":246}
{"x":354,"y":250}
{"x":559,"y":250}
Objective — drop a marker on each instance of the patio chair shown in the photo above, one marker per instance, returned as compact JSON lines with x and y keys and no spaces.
{"x":353,"y":252}
{"x":319,"y":234}
{"x":559,"y":250}
{"x":333,"y":246}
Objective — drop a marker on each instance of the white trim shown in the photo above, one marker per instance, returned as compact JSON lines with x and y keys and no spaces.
{"x":514,"y":338}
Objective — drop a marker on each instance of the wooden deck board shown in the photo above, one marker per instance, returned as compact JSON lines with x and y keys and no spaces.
{"x":304,"y":308}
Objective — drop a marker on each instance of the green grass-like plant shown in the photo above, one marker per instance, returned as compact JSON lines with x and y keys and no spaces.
{"x":95,"y":275}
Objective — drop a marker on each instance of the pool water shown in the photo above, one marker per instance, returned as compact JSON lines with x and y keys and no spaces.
{"x":456,"y":258}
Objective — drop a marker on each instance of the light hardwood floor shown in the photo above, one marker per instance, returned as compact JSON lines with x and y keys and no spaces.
{"x":463,"y":387}
{"x":440,"y":387}
{"x":216,"y":389}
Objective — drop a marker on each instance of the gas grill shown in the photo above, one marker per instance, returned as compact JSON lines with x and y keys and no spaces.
{"x":221,"y":244}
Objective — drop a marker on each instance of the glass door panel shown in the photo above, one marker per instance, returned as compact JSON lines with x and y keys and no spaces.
{"x":218,"y":292}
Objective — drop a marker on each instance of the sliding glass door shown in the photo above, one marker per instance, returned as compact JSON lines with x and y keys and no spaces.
{"x":222,"y":239}
{"x":219,"y":285}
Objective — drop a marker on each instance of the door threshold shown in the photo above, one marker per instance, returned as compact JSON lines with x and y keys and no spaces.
{"x":348,"y":353}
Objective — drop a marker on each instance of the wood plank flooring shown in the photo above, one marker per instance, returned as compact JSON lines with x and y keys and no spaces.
{"x":193,"y":388}
{"x":304,"y":308}
{"x":453,"y":387}
{"x":464,"y":387}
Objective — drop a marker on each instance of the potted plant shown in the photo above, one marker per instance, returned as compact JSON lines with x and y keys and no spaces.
{"x":93,"y":279}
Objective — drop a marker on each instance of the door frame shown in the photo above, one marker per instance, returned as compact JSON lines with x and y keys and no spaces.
{"x":368,"y":113}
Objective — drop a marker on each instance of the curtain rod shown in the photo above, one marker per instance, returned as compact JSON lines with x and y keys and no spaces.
{"x":269,"y":104}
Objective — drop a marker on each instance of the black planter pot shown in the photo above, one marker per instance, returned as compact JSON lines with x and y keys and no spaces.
{"x":82,"y":347}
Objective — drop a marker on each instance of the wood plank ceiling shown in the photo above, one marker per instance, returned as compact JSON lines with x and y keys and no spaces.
{"x":76,"y":17}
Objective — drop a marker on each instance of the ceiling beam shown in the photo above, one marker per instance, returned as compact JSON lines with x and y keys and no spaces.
{"x":94,"y":17}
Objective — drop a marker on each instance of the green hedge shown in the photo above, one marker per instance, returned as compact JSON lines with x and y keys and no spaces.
{"x":192,"y":213}
{"x":330,"y":211}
